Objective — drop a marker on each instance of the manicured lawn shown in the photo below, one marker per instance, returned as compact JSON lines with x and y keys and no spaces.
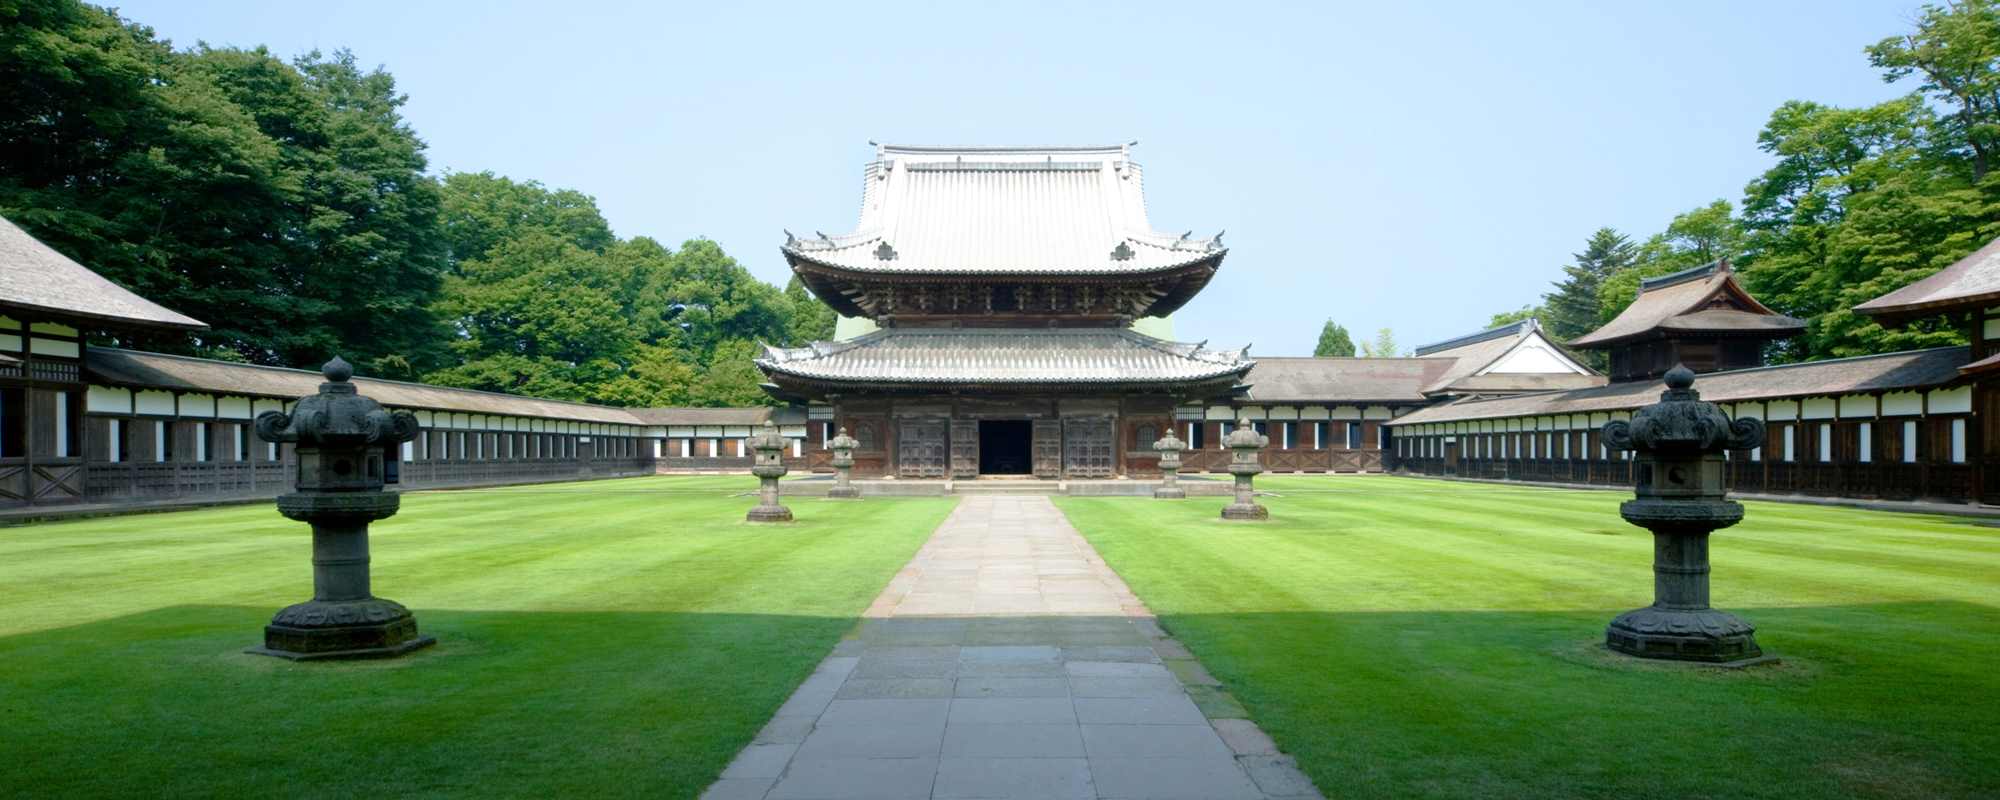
{"x":1412,"y":638}
{"x":612,"y":638}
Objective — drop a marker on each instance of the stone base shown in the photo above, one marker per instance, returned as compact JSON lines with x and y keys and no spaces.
{"x":1164,"y":493}
{"x":1245,"y":511}
{"x":1707,"y":635}
{"x":769,"y":514}
{"x":848,"y":492}
{"x":319,"y":630}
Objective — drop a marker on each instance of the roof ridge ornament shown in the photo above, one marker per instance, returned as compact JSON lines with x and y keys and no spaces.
{"x":883,"y":252}
{"x":1123,"y":252}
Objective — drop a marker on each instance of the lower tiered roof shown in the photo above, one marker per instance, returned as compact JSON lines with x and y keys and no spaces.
{"x":942,"y":358}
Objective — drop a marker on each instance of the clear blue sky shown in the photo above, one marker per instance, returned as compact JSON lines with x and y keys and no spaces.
{"x":1418,"y":166}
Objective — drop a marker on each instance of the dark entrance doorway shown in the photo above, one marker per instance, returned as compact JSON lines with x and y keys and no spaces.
{"x":1005,"y":446}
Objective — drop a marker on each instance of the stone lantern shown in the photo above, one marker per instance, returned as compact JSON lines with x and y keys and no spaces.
{"x":1244,"y":443}
{"x":769,"y":467}
{"x":1170,"y":449}
{"x":843,"y":463}
{"x":1678,"y":446}
{"x":345,"y":444}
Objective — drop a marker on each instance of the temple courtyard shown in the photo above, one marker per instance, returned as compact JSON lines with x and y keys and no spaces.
{"x":1391,"y":637}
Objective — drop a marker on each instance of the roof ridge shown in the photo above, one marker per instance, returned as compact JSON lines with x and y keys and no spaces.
{"x":1516,"y":327}
{"x":1683,"y":276}
{"x":1718,"y":373}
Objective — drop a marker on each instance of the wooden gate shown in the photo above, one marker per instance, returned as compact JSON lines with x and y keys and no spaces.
{"x":1088,"y":447}
{"x":1048,"y":448}
{"x":965,"y":448}
{"x":920,"y":448}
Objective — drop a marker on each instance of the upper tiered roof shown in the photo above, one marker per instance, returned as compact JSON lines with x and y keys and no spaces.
{"x":1046,"y":215}
{"x":1703,"y":301}
{"x":36,"y":278}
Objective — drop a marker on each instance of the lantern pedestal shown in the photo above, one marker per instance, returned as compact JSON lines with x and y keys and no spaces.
{"x":344,"y":446}
{"x":843,"y":446}
{"x":1244,"y":443}
{"x":770,"y":466}
{"x":1169,"y":448}
{"x":1678,"y":445}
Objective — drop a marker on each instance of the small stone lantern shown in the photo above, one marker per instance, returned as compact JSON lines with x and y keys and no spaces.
{"x":769,"y":467}
{"x":1678,"y":446}
{"x":1170,"y":449}
{"x":1244,"y":443}
{"x":843,"y":463}
{"x":344,"y":444}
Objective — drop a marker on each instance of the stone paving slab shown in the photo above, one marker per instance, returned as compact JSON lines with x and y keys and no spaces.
{"x":1007,"y":661}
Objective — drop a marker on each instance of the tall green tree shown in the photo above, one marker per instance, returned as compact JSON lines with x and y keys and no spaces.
{"x":1572,"y":310}
{"x":1384,"y":345}
{"x":283,"y":203}
{"x":1334,"y":341}
{"x":1953,"y":51}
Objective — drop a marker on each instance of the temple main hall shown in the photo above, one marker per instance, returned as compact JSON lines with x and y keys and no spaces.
{"x":1004,"y":313}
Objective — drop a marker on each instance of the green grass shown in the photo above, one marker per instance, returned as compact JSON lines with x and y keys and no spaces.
{"x":611,"y":638}
{"x":1412,"y":638}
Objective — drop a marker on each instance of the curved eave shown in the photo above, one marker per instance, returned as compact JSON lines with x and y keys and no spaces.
{"x":110,"y":320}
{"x":823,"y":278}
{"x":1910,"y":312}
{"x":1679,"y":333}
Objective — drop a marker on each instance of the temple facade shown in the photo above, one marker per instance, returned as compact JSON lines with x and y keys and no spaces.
{"x":1006,"y":309}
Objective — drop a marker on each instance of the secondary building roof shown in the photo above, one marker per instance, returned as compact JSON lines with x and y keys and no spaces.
{"x":1003,"y":210}
{"x":1971,"y":282}
{"x":36,"y":278}
{"x":719,"y":416}
{"x":937,"y":357}
{"x":1512,"y":358}
{"x":143,"y":370}
{"x":1706,"y":300}
{"x":1916,"y":369}
{"x":1342,"y":380}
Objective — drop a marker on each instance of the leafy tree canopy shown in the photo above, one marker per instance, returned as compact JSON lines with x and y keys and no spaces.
{"x":1334,"y":341}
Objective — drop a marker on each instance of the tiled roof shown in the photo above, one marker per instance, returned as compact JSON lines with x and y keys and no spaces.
{"x":34,"y":277}
{"x":1004,"y":210}
{"x":1972,"y":281}
{"x":1681,"y":302}
{"x":719,"y":416}
{"x":138,"y":369}
{"x":937,"y":356}
{"x":1346,"y":380}
{"x":1915,"y":369}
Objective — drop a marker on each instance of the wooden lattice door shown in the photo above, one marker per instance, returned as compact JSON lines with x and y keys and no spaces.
{"x":1048,"y":448}
{"x":965,"y":448}
{"x":1089,"y":447}
{"x":920,"y":448}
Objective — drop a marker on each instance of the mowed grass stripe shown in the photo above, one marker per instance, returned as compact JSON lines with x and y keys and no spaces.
{"x":617,"y":643}
{"x":1408,"y":638}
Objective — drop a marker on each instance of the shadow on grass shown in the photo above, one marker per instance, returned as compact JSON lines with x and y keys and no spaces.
{"x":1870,"y":700}
{"x":1873,"y":700}
{"x":165,"y":703}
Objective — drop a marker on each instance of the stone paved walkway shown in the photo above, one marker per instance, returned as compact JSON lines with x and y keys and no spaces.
{"x":1007,"y":661}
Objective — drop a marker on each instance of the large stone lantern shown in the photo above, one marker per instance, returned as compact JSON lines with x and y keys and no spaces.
{"x":1678,"y":446}
{"x":1244,"y":444}
{"x":769,"y":467}
{"x":1170,"y":448}
{"x":346,"y":446}
{"x":843,"y":446}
